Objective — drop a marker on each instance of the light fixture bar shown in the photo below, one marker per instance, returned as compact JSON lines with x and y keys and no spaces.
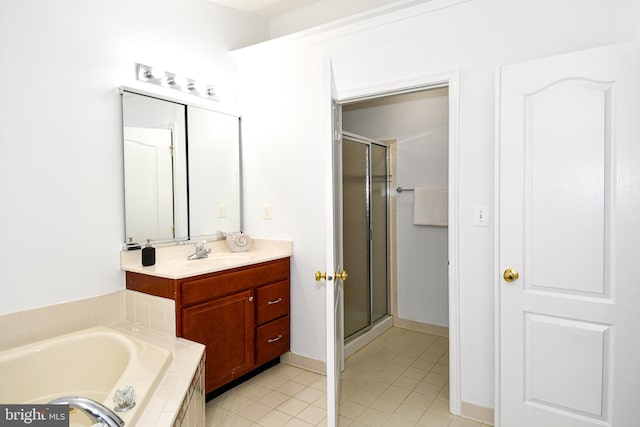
{"x":145,"y":73}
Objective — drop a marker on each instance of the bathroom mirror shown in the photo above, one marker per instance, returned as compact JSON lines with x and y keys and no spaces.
{"x":181,"y":170}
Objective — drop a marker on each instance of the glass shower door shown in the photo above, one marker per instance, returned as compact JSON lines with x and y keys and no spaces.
{"x":355,"y":187}
{"x":365,"y":210}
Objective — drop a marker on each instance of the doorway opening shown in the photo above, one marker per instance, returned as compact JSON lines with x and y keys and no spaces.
{"x":418,"y":126}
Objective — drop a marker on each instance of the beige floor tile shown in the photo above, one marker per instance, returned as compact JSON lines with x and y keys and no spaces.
{"x":274,"y":418}
{"x":320,"y":384}
{"x":309,"y":394}
{"x":295,"y":422}
{"x":420,"y":400}
{"x":271,"y":381}
{"x":307,"y":378}
{"x":440,"y":369}
{"x":432,"y":419}
{"x":395,"y":393}
{"x":290,"y":388}
{"x":436,"y":379}
{"x":395,"y":421}
{"x":235,"y":421}
{"x":273,"y":399}
{"x":406,"y":382}
{"x":427,"y":388}
{"x":415,"y":373}
{"x":236,"y":404}
{"x":395,"y":368}
{"x":351,"y":410}
{"x":344,"y":421}
{"x":376,"y":386}
{"x":254,"y":391}
{"x":255,"y":411}
{"x":321,"y":402}
{"x":292,"y":406}
{"x":312,"y":414}
{"x":385,"y":404}
{"x":409,"y":412}
{"x":440,"y":406}
{"x":363,"y":397}
{"x":216,"y":414}
{"x":461,"y":422}
{"x":431,"y":356}
{"x":425,"y":365}
{"x":286,"y":371}
{"x":373,"y":417}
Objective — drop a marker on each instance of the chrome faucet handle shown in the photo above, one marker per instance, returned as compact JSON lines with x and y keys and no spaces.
{"x":124,"y":399}
{"x":201,"y":248}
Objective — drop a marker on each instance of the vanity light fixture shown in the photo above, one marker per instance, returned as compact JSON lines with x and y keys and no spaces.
{"x":145,"y":73}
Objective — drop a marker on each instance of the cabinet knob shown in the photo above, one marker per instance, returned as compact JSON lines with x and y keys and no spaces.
{"x":250,"y":298}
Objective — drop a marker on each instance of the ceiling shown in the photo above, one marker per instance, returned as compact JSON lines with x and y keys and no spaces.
{"x":268,"y":8}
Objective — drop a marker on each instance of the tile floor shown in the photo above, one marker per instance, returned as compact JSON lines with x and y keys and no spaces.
{"x":400,"y":379}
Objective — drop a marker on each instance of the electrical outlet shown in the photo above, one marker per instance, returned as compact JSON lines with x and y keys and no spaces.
{"x":266,"y":211}
{"x":481,"y":216}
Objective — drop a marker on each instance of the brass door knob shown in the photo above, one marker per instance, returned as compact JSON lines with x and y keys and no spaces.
{"x":342,"y":276}
{"x":510,"y":275}
{"x":320,"y":276}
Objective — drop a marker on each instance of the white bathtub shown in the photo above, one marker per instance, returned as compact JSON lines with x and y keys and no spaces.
{"x":90,"y":363}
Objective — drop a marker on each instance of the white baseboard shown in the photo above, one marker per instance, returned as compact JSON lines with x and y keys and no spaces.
{"x":304,"y":362}
{"x":477,"y":412}
{"x":413,"y":325}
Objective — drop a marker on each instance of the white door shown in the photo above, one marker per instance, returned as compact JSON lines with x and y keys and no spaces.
{"x":334,"y":280}
{"x":569,"y":207}
{"x":148,"y":172}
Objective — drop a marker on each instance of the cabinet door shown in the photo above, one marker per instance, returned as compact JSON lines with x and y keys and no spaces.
{"x":225,"y":326}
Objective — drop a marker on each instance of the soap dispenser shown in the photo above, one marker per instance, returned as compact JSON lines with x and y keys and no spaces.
{"x":148,"y":254}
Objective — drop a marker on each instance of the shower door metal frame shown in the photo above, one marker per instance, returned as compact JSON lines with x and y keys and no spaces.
{"x":369,"y":142}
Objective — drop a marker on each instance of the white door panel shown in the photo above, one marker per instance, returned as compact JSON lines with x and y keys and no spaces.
{"x":334,"y":258}
{"x":569,"y":180}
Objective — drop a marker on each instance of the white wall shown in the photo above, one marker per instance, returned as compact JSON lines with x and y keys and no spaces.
{"x":287,"y":158}
{"x":419,"y":122}
{"x":62,"y":215}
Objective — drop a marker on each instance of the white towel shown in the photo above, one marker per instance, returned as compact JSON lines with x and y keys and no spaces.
{"x":430,"y":206}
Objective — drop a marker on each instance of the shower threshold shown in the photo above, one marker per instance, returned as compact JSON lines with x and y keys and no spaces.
{"x":364,"y":336}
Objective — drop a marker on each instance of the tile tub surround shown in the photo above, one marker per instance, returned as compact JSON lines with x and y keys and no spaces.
{"x":179,"y":397}
{"x":172,"y":263}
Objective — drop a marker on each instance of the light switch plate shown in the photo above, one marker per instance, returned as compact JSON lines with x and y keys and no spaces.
{"x":481,"y":215}
{"x":266,"y":211}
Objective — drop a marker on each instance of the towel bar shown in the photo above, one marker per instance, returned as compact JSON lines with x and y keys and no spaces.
{"x":400,"y":189}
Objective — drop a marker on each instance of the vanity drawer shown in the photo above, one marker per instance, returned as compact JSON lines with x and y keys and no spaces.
{"x":272,"y":340}
{"x":223,"y":283}
{"x":272,"y":301}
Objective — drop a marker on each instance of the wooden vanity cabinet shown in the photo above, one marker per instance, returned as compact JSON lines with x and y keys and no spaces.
{"x":241,"y":315}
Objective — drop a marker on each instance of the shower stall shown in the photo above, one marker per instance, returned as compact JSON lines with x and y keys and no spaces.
{"x":365,"y":183}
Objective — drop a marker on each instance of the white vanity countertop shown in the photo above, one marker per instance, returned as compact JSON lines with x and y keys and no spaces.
{"x":172,"y":263}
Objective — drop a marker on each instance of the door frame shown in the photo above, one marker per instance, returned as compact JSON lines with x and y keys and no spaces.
{"x":450,"y":79}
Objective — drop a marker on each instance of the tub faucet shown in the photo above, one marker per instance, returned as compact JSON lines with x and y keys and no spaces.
{"x":96,"y":411}
{"x":202,"y":251}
